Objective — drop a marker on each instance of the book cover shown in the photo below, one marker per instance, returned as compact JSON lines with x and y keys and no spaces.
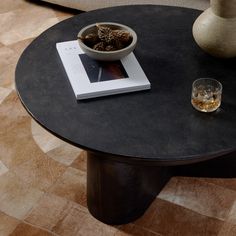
{"x":90,"y":78}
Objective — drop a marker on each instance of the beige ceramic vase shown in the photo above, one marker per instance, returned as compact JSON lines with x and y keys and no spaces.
{"x":215,"y":29}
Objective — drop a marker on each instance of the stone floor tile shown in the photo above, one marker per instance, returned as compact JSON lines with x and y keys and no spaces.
{"x":24,"y":23}
{"x":42,"y":27}
{"x":3,"y":169}
{"x":7,"y":71}
{"x":45,"y":140}
{"x":231,"y":219}
{"x":78,"y":223}
{"x":65,"y":218}
{"x":169,"y":219}
{"x":65,"y":154}
{"x":72,"y":186}
{"x":20,"y":46}
{"x":7,"y":57}
{"x":195,"y":194}
{"x":50,"y":210}
{"x":225,"y":183}
{"x":7,"y":224}
{"x":4,"y":92}
{"x":16,"y":144}
{"x":81,"y":161}
{"x":228,"y":229}
{"x":132,"y":229}
{"x":10,"y":5}
{"x":62,"y":17}
{"x":11,"y":109}
{"x":16,"y":198}
{"x":7,"y":76}
{"x":40,"y":172}
{"x":63,"y":13}
{"x":28,"y":230}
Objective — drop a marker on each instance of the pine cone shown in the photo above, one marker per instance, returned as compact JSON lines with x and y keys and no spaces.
{"x":105,"y":34}
{"x":90,"y":39}
{"x":99,"y":46}
{"x":118,"y":44}
{"x":110,"y":48}
{"x":122,"y":35}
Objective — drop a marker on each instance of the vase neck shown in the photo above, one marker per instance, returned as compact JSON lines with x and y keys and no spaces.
{"x":224,"y":8}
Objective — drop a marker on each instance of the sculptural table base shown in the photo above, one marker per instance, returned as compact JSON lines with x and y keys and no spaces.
{"x":118,"y":193}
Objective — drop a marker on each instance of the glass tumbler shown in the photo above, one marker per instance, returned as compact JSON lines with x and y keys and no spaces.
{"x":206,"y":94}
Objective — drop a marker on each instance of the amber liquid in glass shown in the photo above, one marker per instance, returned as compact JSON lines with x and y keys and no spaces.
{"x":206,"y":101}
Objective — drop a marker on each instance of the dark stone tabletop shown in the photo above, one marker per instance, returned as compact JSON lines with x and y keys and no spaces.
{"x":158,"y":125}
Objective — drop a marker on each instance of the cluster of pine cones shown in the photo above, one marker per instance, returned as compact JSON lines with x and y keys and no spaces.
{"x":107,"y":39}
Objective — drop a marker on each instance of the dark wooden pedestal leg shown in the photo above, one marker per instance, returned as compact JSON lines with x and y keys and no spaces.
{"x":118,"y":193}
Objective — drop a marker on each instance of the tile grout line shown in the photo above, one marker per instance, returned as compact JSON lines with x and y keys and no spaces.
{"x":38,"y":227}
{"x":148,"y":230}
{"x":217,"y":218}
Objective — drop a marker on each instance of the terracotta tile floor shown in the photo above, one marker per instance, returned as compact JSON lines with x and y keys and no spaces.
{"x":43,"y":179}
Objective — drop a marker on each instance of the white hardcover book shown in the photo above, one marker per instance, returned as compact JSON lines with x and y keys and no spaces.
{"x":90,"y":78}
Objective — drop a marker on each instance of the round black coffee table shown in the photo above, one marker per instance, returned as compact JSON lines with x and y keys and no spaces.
{"x":135,"y":141}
